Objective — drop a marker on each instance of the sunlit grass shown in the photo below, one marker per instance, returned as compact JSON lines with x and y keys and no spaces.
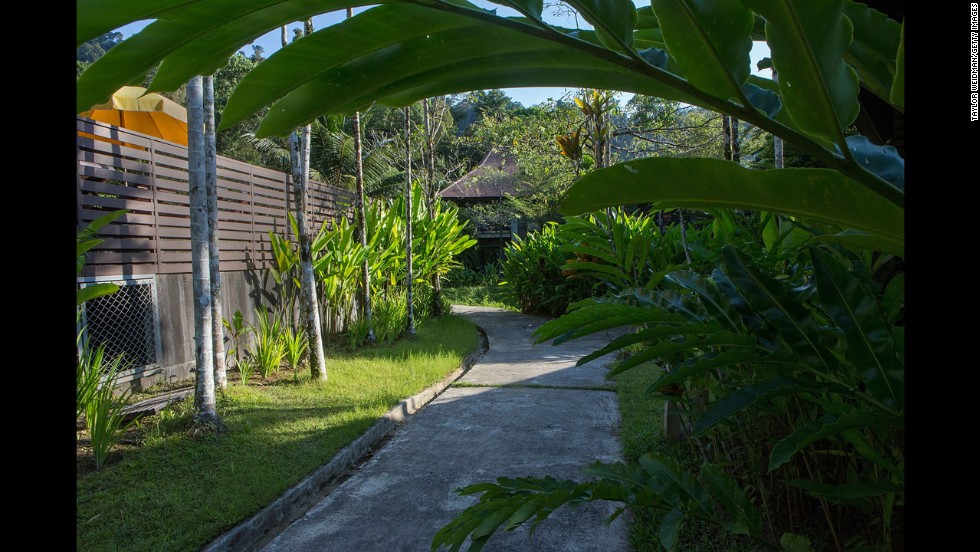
{"x":480,"y":296}
{"x":176,"y":491}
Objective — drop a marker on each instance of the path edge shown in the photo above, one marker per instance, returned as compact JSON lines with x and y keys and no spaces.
{"x":302,"y":496}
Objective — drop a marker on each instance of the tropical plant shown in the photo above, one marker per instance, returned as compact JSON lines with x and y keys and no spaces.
{"x":462,"y":276}
{"x":357,"y":331}
{"x":268,"y":350}
{"x":285,"y":272}
{"x":237,"y":329}
{"x":294,"y":345}
{"x":680,"y":50}
{"x":534,"y":274}
{"x":100,"y":401}
{"x":88,"y":374}
{"x":620,"y":250}
{"x":85,"y":240}
{"x":390,"y":318}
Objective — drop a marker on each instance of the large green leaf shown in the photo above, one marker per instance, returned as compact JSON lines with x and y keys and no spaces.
{"x":817,"y":194}
{"x":870,"y":345}
{"x":745,"y":397}
{"x":745,"y":518}
{"x":648,"y":27}
{"x":127,"y":62}
{"x":807,"y":40}
{"x":82,"y":247}
{"x":883,"y":161}
{"x":205,"y":53}
{"x":303,"y":60}
{"x":826,"y":426}
{"x":531,"y":8}
{"x":666,"y":348}
{"x":872,"y":51}
{"x":710,"y":40}
{"x":479,"y":55}
{"x":897,"y":93}
{"x":602,"y":316}
{"x":88,"y":293}
{"x":657,"y":333}
{"x":711,"y":361}
{"x":613,"y":20}
{"x":848,"y":493}
{"x":770,"y":299}
{"x":96,"y":17}
{"x":670,"y":526}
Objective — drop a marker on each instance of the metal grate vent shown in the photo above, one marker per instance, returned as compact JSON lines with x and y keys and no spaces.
{"x":126,"y":322}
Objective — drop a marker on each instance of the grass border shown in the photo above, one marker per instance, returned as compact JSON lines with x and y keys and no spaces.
{"x":261,"y":527}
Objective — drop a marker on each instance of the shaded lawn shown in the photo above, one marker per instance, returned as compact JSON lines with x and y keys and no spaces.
{"x":642,"y":431}
{"x":177,"y":491}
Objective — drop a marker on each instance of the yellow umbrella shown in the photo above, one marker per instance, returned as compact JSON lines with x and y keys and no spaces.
{"x":132,"y":108}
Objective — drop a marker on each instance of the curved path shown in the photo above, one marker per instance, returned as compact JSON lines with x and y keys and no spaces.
{"x":521,"y":410}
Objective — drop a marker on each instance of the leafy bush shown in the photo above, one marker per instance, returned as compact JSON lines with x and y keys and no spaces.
{"x":268,"y":351}
{"x":619,"y":249}
{"x":294,"y":344}
{"x":533,"y":272}
{"x":237,"y":329}
{"x":98,"y":399}
{"x":489,"y":275}
{"x":390,"y":313}
{"x":358,"y":331}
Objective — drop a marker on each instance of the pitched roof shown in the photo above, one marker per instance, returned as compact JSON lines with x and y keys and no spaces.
{"x":494,"y":177}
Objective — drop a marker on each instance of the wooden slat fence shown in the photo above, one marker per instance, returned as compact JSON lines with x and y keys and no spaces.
{"x":118,"y":169}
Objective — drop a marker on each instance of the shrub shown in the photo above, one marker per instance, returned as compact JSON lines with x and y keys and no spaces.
{"x":390,"y":316}
{"x":97,"y":398}
{"x":268,"y":351}
{"x":489,"y":275}
{"x":532,"y":270}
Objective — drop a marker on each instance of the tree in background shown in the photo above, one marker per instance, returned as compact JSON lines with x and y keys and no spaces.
{"x":229,"y":142}
{"x":91,"y":50}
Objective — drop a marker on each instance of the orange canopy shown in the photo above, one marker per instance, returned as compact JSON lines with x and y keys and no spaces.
{"x":132,"y":108}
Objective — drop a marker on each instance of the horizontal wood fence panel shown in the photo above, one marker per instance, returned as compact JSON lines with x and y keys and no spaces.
{"x":134,"y":192}
{"x":121,"y":169}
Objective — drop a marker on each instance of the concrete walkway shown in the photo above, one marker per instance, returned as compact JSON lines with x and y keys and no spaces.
{"x":494,"y":422}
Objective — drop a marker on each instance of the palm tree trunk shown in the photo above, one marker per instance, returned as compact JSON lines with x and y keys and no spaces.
{"x":726,"y":142}
{"x":211,"y":184}
{"x":408,"y":220}
{"x":736,"y":149}
{"x":680,"y":218}
{"x":309,"y":308}
{"x":361,"y":229}
{"x":430,"y":178}
{"x":299,"y":147}
{"x":204,"y":402}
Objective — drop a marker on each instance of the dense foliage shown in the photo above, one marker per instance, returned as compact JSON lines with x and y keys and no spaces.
{"x":533,"y":273}
{"x":785,"y":325}
{"x":338,"y":257}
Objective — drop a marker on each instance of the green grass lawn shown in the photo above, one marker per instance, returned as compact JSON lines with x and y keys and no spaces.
{"x":177,"y":491}
{"x":480,"y":296}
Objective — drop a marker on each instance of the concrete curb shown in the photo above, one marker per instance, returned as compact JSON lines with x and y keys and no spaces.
{"x":303,"y":495}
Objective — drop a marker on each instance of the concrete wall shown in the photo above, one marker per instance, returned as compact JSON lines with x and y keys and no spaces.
{"x":242,"y":290}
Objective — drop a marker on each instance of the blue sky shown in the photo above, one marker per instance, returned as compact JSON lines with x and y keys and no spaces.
{"x":271,"y":42}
